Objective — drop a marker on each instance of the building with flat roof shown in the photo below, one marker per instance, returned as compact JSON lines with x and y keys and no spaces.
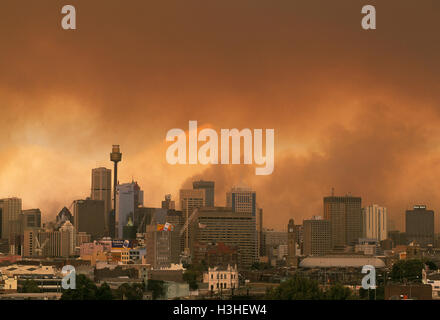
{"x":419,"y":225}
{"x":341,"y":261}
{"x":10,"y":217}
{"x":344,"y":214}
{"x":221,"y":224}
{"x":101,"y":189}
{"x":317,"y":237}
{"x":31,"y":218}
{"x":129,"y":197}
{"x":374,"y":222}
{"x":208,"y":186}
{"x":89,"y":217}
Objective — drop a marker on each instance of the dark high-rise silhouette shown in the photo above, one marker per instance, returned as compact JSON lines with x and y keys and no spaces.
{"x":420,"y":225}
{"x":102,"y":190}
{"x":209,"y":191}
{"x":291,"y":244}
{"x":344,"y":214}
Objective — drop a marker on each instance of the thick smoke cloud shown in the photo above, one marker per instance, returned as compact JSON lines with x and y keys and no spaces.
{"x":353,"y":110}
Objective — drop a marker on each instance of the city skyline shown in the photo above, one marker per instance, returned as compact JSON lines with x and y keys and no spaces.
{"x":346,"y":114}
{"x":194,"y":186}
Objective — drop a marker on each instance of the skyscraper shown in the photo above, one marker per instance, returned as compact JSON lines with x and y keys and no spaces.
{"x":88,"y":217}
{"x":102,"y":190}
{"x":63,"y":216}
{"x":317,"y":236}
{"x":419,"y":224}
{"x":68,"y":240}
{"x":344,"y":214}
{"x":190,"y":199}
{"x":31,"y":218}
{"x":129,"y":196}
{"x":11,"y":210}
{"x":209,"y":191}
{"x":219,"y":224}
{"x":291,"y":244}
{"x":374,"y":222}
{"x":244,"y":200}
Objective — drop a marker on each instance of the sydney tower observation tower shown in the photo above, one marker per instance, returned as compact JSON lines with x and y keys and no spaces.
{"x":115,"y":156}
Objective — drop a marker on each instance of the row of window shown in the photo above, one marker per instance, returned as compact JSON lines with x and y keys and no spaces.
{"x":223,"y":276}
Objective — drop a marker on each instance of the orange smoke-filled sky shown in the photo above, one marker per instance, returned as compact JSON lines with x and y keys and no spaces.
{"x":352,"y":109}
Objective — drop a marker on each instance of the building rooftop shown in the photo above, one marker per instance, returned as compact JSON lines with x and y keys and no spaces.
{"x":347,"y":261}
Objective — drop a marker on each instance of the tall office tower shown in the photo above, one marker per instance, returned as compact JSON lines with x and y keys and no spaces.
{"x":142,"y":218}
{"x":129,"y":197}
{"x":162,"y":251}
{"x":317,"y":236}
{"x":168,"y":203}
{"x":374,"y":222}
{"x":115,"y":157}
{"x":175,"y":218}
{"x":244,"y":200}
{"x":11,"y":224}
{"x":49,"y":244}
{"x":420,"y":225}
{"x":62,"y":217}
{"x":31,"y":218}
{"x":68,"y":240}
{"x":40,"y":243}
{"x":190,"y":199}
{"x":215,"y":225}
{"x":291,"y":244}
{"x":209,"y":191}
{"x":30,"y":242}
{"x":102,"y":190}
{"x":88,"y":217}
{"x":344,"y":214}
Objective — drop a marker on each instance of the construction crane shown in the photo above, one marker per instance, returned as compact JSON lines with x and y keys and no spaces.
{"x":39,"y":248}
{"x":186,"y":256}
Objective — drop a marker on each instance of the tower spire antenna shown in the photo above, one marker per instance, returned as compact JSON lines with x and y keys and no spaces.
{"x":333,"y":191}
{"x":115,"y":157}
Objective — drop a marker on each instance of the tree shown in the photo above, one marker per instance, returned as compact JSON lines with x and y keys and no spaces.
{"x":431,"y":265}
{"x":193,"y":273}
{"x":260,"y":266}
{"x":156,"y":287}
{"x":104,"y":292}
{"x":296,"y":288}
{"x":190,"y":276}
{"x":407,"y":271}
{"x":30,"y":286}
{"x":130,"y":292}
{"x":85,"y":290}
{"x":338,"y":292}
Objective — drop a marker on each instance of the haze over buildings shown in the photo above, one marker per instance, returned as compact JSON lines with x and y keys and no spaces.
{"x":348,"y":131}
